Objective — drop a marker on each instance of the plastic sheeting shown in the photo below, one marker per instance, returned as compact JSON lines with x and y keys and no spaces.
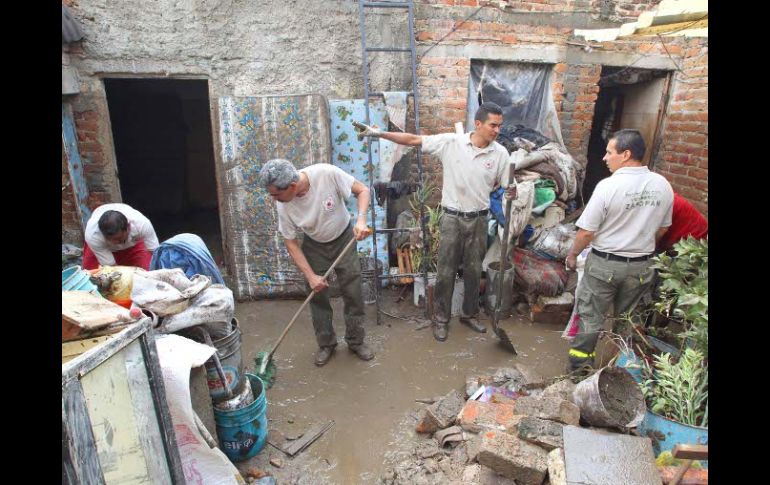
{"x":523,"y":91}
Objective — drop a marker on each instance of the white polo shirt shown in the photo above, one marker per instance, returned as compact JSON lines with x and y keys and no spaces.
{"x":140,"y":229}
{"x":625,"y":211}
{"x":320,"y":213}
{"x":470,"y":173}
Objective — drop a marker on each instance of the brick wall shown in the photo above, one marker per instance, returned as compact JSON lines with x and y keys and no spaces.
{"x":71,"y":231}
{"x":443,"y":82}
{"x":683,"y":157}
{"x":615,"y":9}
{"x":89,"y":124}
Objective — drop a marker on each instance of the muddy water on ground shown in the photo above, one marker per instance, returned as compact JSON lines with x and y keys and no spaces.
{"x":373,"y":403}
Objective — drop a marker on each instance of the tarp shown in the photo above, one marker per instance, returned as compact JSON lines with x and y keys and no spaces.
{"x":523,"y":91}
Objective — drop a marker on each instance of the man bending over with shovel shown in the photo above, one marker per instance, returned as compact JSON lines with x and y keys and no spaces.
{"x":312,"y":201}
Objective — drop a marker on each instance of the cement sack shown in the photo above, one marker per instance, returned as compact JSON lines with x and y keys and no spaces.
{"x":214,"y":307}
{"x":521,"y":209}
{"x":201,"y":465}
{"x":166,"y":291}
{"x":572,"y":325}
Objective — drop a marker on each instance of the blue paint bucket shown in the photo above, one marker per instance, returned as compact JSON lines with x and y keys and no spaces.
{"x":666,"y":433}
{"x":242,"y":432}
{"x":631,"y":363}
{"x":75,"y":278}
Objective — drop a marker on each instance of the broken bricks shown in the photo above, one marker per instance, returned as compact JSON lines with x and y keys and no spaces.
{"x":557,"y":474}
{"x":478,"y":416}
{"x":551,"y":408}
{"x":513,"y":458}
{"x":441,"y":414}
{"x":546,"y":434}
{"x":563,"y":389}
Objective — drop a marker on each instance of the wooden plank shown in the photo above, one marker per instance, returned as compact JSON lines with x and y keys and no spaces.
{"x":79,"y":454}
{"x":91,"y":312}
{"x":162,"y":412}
{"x":90,"y":359}
{"x":691,"y":452}
{"x":309,"y":437}
{"x":70,"y":350}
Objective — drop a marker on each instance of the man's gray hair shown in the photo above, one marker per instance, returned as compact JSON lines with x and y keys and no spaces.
{"x":279,"y":173}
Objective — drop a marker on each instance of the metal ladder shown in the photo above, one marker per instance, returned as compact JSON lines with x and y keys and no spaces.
{"x":365,"y":50}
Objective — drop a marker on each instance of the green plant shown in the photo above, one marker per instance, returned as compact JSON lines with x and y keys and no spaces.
{"x":684,"y":289}
{"x":432,"y":217}
{"x":679,"y":391}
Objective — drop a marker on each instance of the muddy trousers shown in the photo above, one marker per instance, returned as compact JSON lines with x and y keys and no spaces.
{"x":320,"y":256}
{"x":605,"y":282}
{"x":463,"y":241}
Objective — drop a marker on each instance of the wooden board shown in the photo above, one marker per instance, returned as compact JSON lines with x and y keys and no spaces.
{"x":89,"y":311}
{"x":70,"y":350}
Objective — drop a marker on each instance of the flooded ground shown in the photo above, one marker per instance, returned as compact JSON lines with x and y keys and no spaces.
{"x":373,"y":403}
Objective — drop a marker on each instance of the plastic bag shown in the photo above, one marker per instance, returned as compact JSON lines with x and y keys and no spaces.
{"x":166,"y":291}
{"x":554,"y":242}
{"x":201,"y":465}
{"x":214,"y":307}
{"x":116,"y":283}
{"x":574,"y":320}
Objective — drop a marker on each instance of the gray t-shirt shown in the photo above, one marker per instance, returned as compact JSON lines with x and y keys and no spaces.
{"x":320,"y":213}
{"x":625,"y":211}
{"x":469,"y":173}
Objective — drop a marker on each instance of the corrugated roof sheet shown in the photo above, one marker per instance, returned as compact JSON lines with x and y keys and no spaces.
{"x":70,"y":28}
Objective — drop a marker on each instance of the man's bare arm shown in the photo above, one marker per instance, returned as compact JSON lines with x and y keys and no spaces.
{"x":582,"y":240}
{"x":316,"y":282}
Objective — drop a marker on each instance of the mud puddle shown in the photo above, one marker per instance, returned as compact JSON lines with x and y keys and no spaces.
{"x":373,"y":403}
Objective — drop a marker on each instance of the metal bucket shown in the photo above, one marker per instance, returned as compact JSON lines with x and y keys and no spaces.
{"x":666,"y":433}
{"x":243,"y":432}
{"x":493,"y":280}
{"x":595,"y":404}
{"x":229,"y":355}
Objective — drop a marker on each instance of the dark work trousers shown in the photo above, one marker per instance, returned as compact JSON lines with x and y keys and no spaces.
{"x":320,"y":256}
{"x":463,"y":240}
{"x":604,"y":283}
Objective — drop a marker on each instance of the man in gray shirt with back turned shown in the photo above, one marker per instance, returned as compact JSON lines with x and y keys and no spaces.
{"x":628,"y":212}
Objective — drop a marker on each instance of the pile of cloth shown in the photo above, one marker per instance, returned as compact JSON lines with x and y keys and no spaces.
{"x":548,"y":181}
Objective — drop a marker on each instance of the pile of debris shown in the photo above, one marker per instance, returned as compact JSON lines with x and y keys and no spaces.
{"x":504,"y":430}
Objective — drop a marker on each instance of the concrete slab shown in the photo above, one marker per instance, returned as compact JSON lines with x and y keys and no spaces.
{"x":608,"y":459}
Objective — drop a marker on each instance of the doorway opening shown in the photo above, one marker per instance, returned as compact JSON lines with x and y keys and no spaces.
{"x":628,"y":98}
{"x":165,"y":155}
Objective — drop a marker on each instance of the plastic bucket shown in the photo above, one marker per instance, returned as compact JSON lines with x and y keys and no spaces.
{"x":610,"y":398}
{"x":242,"y":432}
{"x":75,"y":278}
{"x":229,"y":353}
{"x":631,"y":363}
{"x":419,"y":288}
{"x":666,"y":433}
{"x":493,"y":282}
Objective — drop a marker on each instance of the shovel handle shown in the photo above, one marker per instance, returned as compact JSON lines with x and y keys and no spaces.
{"x":307,"y":300}
{"x":503,"y":249}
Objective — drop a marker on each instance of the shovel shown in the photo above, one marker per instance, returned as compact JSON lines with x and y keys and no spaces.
{"x":267,"y":358}
{"x":504,"y":340}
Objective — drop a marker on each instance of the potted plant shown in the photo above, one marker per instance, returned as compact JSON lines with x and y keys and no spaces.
{"x":676,"y":387}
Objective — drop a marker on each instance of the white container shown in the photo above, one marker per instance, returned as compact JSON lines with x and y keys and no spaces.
{"x":419,"y":288}
{"x":457,"y":295}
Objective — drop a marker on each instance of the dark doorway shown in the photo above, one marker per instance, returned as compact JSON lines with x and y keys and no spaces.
{"x":628,"y":98}
{"x":165,"y":155}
